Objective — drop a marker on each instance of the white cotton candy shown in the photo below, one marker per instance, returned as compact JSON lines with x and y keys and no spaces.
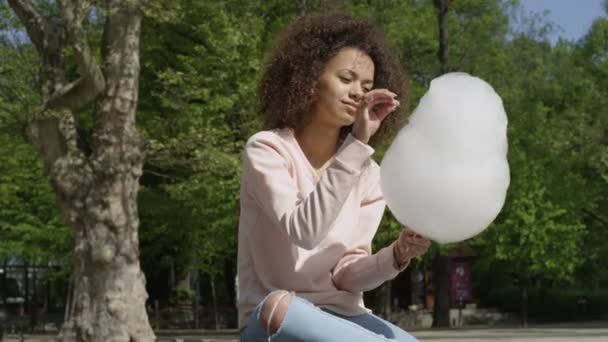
{"x":446,"y":173}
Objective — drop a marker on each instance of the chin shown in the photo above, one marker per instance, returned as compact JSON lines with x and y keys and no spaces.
{"x":349,"y":120}
{"x":340,"y":119}
{"x":344,"y":122}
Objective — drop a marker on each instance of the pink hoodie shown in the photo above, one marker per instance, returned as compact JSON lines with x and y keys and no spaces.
{"x":306,"y":234}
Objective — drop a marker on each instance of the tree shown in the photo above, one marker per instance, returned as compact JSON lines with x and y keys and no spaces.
{"x":441,"y":265}
{"x":30,"y":226}
{"x":592,"y":59}
{"x":200,"y":76}
{"x":96,"y":189}
{"x":442,"y":7}
{"x":539,"y":239}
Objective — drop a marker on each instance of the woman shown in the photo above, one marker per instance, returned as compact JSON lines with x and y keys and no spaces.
{"x":310,"y":197}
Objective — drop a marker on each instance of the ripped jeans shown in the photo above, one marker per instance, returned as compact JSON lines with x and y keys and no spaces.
{"x":305,"y":322}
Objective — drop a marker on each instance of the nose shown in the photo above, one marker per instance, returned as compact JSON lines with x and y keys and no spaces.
{"x":356,"y":91}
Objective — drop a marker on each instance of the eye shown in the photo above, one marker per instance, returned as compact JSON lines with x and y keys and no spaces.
{"x":366,"y":89}
{"x":344,"y":79}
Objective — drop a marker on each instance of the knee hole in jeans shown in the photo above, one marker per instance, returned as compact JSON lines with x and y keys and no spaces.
{"x":274,"y":310}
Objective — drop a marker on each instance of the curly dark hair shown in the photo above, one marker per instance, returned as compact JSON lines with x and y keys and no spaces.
{"x":287,"y":88}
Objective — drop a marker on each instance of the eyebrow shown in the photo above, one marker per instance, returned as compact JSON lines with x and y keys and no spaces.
{"x":354,"y":74}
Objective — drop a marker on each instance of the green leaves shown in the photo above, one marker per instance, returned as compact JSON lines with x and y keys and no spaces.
{"x":200,"y":64}
{"x":30,"y":226}
{"x":555,"y":133}
{"x":197,"y":109}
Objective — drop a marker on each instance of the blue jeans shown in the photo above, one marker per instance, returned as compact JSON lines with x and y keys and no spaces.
{"x":305,"y":322}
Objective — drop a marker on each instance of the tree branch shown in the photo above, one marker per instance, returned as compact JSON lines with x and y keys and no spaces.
{"x":154,"y":173}
{"x":34,"y":23}
{"x":45,"y":133}
{"x":116,"y":143}
{"x":597,"y":217}
{"x":91,"y":83}
{"x":121,"y":31}
{"x":52,"y":127}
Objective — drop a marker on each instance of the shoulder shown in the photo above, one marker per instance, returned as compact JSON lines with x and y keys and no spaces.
{"x":269,"y":137}
{"x":269,"y":144}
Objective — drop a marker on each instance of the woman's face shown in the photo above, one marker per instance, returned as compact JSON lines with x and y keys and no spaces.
{"x":344,"y":80}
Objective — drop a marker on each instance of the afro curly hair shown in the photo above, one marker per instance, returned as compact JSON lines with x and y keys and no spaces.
{"x":287,"y":90}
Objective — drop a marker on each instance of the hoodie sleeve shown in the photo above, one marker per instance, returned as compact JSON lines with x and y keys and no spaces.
{"x":306,"y":222}
{"x":359,"y":270}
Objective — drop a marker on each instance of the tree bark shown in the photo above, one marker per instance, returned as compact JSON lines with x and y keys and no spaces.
{"x":216,"y":320}
{"x":302,"y":7}
{"x":442,"y":7}
{"x":97,"y":194}
{"x":441,"y":278}
{"x":524,"y":304}
{"x":26,"y":284}
{"x":387,"y":297}
{"x":4,"y":285}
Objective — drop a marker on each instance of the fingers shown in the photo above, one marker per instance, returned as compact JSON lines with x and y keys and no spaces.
{"x":381,"y":102}
{"x":409,"y":231}
{"x":377,"y":94}
{"x":373,"y":109}
{"x":417,"y":241}
{"x":382,"y":110}
{"x":378,"y":98}
{"x":417,"y":244}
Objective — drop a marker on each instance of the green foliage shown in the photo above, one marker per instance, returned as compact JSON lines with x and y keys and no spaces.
{"x":181,"y":294}
{"x":197,"y":109}
{"x":552,"y":305}
{"x":555,"y":134}
{"x":30,"y":226}
{"x":17,"y":81}
{"x":200,"y":64}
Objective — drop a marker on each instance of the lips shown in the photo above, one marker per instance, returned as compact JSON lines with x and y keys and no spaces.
{"x":350,"y":105}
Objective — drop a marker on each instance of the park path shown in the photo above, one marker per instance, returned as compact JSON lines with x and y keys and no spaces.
{"x":598,"y":333}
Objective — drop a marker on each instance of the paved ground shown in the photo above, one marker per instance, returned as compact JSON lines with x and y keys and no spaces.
{"x":516,"y":335}
{"x":594,"y":333}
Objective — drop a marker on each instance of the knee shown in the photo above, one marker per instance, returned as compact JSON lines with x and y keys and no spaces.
{"x":274,"y":310}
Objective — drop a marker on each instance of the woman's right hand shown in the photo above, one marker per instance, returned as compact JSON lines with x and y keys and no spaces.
{"x":409,"y":245}
{"x":374,"y":107}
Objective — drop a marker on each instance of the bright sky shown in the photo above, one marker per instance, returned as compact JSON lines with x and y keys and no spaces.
{"x":573,"y":16}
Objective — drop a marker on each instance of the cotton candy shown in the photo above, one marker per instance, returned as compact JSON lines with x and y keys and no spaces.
{"x":446,"y":173}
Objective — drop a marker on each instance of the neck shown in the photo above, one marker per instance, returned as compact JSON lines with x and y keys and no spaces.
{"x":319,"y":143}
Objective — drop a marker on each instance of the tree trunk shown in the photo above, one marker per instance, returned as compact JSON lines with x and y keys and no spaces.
{"x":230,"y":278}
{"x":34,"y":301}
{"x":4,"y":282}
{"x":97,"y":194}
{"x":524,"y":305}
{"x":387,"y":294}
{"x":216,"y":320}
{"x":442,"y":7}
{"x":441,"y":278}
{"x":302,"y":7}
{"x":26,"y":285}
{"x":196,"y":289}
